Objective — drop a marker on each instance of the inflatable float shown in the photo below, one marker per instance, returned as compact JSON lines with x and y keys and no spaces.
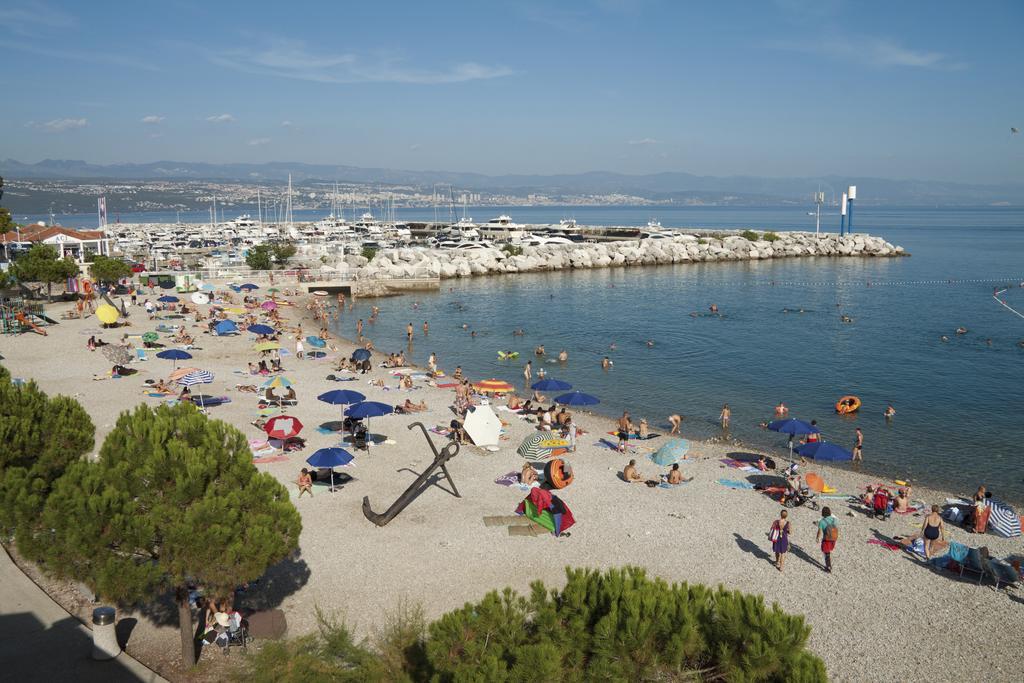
{"x":847,"y":405}
{"x":558,"y":473}
{"x":508,"y":354}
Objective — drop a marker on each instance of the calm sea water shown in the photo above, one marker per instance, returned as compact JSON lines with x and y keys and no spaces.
{"x":959,"y":403}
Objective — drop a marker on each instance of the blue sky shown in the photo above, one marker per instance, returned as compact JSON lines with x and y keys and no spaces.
{"x":784,"y":88}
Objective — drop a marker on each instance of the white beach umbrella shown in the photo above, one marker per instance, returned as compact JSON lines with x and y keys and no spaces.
{"x":482,"y":426}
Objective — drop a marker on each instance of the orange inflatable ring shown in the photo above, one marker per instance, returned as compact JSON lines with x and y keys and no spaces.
{"x":847,"y":404}
{"x":558,"y":473}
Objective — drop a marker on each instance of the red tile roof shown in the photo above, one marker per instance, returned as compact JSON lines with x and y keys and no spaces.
{"x":39,"y":233}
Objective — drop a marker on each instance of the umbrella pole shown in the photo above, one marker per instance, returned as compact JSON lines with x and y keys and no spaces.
{"x":332,"y":480}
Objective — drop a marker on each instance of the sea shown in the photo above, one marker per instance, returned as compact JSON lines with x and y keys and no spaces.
{"x":959,"y":398}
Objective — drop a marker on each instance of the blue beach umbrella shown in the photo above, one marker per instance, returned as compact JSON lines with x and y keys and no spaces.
{"x":577,"y":398}
{"x":792,"y":426}
{"x":551,"y":385}
{"x":262,"y":329}
{"x":339,"y":397}
{"x":226,"y":327}
{"x":824,"y":450}
{"x":369,"y":409}
{"x":671,"y":452}
{"x":248,"y":286}
{"x":361,"y":354}
{"x":207,"y":288}
{"x":168,"y":299}
{"x":316,"y":342}
{"x":331,"y":458}
{"x":175,"y":355}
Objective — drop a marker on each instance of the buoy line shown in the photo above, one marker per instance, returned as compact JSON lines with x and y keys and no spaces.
{"x":1011,"y":309}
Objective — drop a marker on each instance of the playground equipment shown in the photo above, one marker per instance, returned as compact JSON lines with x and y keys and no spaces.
{"x":17,"y":316}
{"x":418,"y":486}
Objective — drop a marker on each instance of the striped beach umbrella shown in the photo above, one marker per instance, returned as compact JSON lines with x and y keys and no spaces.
{"x":540,"y":446}
{"x":196,"y":377}
{"x":493,"y":386}
{"x":1002,"y":518}
{"x":279,"y":382}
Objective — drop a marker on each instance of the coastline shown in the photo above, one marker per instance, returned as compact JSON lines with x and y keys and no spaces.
{"x":438,"y":553}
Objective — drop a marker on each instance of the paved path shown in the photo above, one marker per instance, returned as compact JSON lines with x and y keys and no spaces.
{"x":40,"y":641}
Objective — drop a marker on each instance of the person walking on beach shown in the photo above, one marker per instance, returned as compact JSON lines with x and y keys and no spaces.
{"x":528,"y":371}
{"x":779,"y":536}
{"x":932,"y":529}
{"x":625,"y":428}
{"x":725,"y":415}
{"x":828,"y":534}
{"x":299,"y":348}
{"x":858,"y":446}
{"x":408,"y":332}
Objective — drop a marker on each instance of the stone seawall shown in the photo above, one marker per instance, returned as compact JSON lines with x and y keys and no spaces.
{"x":452,"y":263}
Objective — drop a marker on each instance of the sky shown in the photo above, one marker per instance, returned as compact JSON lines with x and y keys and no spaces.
{"x":777,"y":88}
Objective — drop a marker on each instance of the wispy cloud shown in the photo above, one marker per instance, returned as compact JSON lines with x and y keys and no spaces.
{"x":152,"y":119}
{"x":49,"y":51}
{"x":644,"y":141}
{"x":874,"y":52}
{"x":27,"y":18}
{"x":291,"y":59}
{"x":287,"y":124}
{"x":415,"y":146}
{"x":258,"y":142}
{"x":58,"y":125}
{"x":221,"y":118}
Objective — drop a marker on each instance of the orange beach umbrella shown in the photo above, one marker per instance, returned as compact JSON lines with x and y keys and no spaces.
{"x":493,"y":386}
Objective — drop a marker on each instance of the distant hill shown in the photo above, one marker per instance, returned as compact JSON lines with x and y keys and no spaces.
{"x":674,"y":185}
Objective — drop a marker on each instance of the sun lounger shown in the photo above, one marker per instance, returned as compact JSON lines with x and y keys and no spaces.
{"x":1002,"y":572}
{"x":968,"y":559}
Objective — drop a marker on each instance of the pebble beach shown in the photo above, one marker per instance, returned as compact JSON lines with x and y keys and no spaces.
{"x":882,"y":614}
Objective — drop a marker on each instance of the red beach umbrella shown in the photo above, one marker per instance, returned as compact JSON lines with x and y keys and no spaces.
{"x":282,"y":427}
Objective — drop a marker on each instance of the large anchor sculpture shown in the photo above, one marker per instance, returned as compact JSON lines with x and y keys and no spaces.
{"x":440,"y":458}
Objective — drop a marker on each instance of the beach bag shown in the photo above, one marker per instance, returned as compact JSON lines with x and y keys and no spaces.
{"x":832,"y":533}
{"x":774,"y":534}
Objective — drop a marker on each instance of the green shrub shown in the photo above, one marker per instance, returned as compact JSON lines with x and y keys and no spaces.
{"x":770,"y":237}
{"x":701,"y":240}
{"x":616,"y":625}
{"x":749,"y":235}
{"x":512,"y":250}
{"x":368,"y":253}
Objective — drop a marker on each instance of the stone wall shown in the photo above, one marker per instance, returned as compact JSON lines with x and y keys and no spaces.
{"x":451,"y":263}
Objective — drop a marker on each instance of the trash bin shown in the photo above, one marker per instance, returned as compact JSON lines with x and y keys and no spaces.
{"x":104,"y":633}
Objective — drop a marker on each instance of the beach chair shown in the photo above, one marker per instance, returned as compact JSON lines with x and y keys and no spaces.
{"x":1002,"y":573}
{"x":959,"y":553}
{"x":141,"y":354}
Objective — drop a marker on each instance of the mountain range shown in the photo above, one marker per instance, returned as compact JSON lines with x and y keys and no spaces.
{"x":656,"y":186}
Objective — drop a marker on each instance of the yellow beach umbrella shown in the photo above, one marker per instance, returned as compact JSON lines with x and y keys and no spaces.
{"x":236,"y":310}
{"x":107,"y":314}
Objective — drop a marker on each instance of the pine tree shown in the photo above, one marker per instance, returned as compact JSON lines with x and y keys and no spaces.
{"x":43,"y":264}
{"x":174,"y":499}
{"x":41,"y":437}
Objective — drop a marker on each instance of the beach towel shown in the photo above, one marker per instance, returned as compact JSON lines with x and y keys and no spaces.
{"x":448,"y":386}
{"x":887,"y":546}
{"x":636,"y":436}
{"x":666,"y":485}
{"x":739,"y":465}
{"x":263,"y":460}
{"x":735,"y":484}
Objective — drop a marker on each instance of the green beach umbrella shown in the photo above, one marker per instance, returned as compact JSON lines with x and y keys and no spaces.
{"x":150,"y":337}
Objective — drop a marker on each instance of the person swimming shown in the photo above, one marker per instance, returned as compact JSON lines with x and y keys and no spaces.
{"x":961,"y":330}
{"x":650,"y":343}
{"x":606,"y":363}
{"x":713,"y":308}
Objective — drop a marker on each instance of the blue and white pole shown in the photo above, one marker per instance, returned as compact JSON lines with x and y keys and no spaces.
{"x":842,"y":215}
{"x":851,"y":193}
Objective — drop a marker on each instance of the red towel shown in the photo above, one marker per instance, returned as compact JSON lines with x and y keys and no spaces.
{"x":887,"y":546}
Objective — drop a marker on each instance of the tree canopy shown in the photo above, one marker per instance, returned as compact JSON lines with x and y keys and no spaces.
{"x":106,"y":269}
{"x":173,"y":499}
{"x":43,"y":264}
{"x":267,"y":256}
{"x":41,"y":437}
{"x":616,"y":625}
{"x":6,"y":222}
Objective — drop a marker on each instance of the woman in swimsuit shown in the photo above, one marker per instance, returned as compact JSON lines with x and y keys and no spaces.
{"x":931,"y":530}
